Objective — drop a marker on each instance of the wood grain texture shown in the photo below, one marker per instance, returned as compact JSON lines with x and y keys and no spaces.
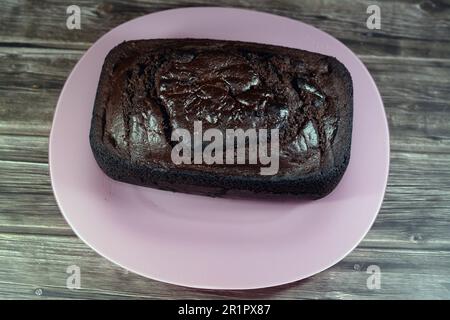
{"x":45,"y":259}
{"x":409,"y":59}
{"x":409,"y":28}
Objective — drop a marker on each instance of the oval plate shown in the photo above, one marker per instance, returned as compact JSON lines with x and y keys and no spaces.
{"x":206,"y":242}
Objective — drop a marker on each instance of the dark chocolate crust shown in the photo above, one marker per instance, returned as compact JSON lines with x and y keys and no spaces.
{"x":148,"y":88}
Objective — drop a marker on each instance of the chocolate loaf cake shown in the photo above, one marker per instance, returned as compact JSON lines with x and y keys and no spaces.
{"x":151,"y":90}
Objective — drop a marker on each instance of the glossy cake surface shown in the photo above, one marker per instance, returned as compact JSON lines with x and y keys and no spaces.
{"x":149,"y":88}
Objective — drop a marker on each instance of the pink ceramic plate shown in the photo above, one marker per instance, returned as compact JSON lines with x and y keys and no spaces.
{"x":205,"y":242}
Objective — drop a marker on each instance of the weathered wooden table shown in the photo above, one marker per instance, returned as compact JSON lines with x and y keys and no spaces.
{"x":409,"y":59}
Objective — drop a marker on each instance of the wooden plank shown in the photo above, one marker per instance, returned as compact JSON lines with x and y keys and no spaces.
{"x":34,"y":267}
{"x":416,"y":91}
{"x":24,"y":148}
{"x":30,"y":83}
{"x":411,"y":80}
{"x":409,"y":60}
{"x":408,"y":28}
{"x":414,"y":215}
